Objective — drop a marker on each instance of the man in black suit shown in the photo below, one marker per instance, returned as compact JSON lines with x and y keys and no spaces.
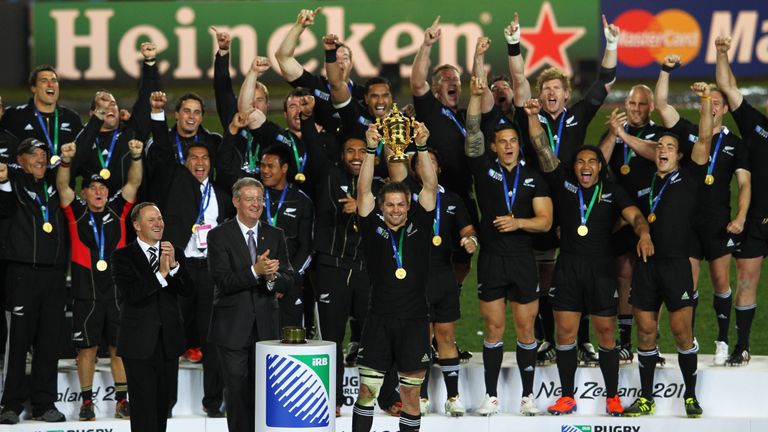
{"x":151,"y":336}
{"x":247,"y":282}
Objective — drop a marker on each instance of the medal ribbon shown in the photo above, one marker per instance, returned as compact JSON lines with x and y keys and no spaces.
{"x":204,"y":203}
{"x":300,"y":163}
{"x":595,"y":193}
{"x":98,"y":237}
{"x":252,"y":154}
{"x":509,"y":199}
{"x":711,"y":166}
{"x":270,"y":219}
{"x":105,"y":164}
{"x":556,"y":147}
{"x":398,"y":251}
{"x":653,"y":202}
{"x":628,"y":152}
{"x":436,"y":224}
{"x":43,"y":207}
{"x":54,"y":146}
{"x":179,"y":151}
{"x":448,"y":113}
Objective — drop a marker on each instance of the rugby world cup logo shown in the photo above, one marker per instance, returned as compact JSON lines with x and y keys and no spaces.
{"x":298,"y":391}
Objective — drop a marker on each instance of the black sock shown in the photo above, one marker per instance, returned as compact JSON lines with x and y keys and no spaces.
{"x":744,"y":317}
{"x":647,"y":371}
{"x":722,"y":304}
{"x":121,"y":391}
{"x":526,"y":362}
{"x":424,"y":392}
{"x":625,"y":329}
{"x":87,"y":393}
{"x":687,"y":360}
{"x":609,"y":366}
{"x":566,"y":367}
{"x":450,"y":369}
{"x":547,"y":319}
{"x":354,"y":330}
{"x":362,"y":418}
{"x":409,"y":423}
{"x":493,"y":353}
{"x":584,"y":330}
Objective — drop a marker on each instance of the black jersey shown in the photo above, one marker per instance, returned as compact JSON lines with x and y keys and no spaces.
{"x":390,"y":295}
{"x":8,"y":146}
{"x":675,"y":208}
{"x":753,"y":126}
{"x":493,"y":200}
{"x":98,"y":150}
{"x":291,"y":210}
{"x":640,"y":168}
{"x":88,"y":282}
{"x":25,"y":121}
{"x":325,"y":114}
{"x":610,"y":200}
{"x":729,"y":154}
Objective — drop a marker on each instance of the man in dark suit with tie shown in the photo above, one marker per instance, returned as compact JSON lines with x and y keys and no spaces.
{"x":249,"y":264}
{"x":151,"y":335}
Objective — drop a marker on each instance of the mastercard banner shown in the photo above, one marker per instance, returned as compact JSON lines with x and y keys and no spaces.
{"x":651,"y":30}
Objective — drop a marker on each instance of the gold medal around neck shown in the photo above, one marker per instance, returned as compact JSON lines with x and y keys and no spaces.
{"x":195,"y":227}
{"x":625,"y":169}
{"x":105,"y":173}
{"x":376,"y":160}
{"x":400,"y":273}
{"x":48,"y":227}
{"x":101,"y":265}
{"x":652,"y":218}
{"x":300,"y":178}
{"x":511,"y":215}
{"x":54,"y":159}
{"x":437,"y":240}
{"x":582,"y":230}
{"x":709,"y":180}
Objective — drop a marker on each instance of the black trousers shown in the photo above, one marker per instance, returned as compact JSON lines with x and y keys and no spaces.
{"x":35,"y":313}
{"x":196,"y":311}
{"x":152,"y":381}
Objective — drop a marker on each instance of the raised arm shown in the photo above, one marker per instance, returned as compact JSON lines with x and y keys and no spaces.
{"x":548,"y":161}
{"x":478,"y":70}
{"x":726,"y":82}
{"x":521,"y":89}
{"x":366,"y":202}
{"x":226,"y":102}
{"x":247,"y":91}
{"x":135,"y":171}
{"x":700,"y":152}
{"x":64,"y":173}
{"x":427,"y":171}
{"x":339,"y":90}
{"x":290,"y":68}
{"x":608,"y":65}
{"x":420,"y":70}
{"x":668,"y":113}
{"x":474,"y":144}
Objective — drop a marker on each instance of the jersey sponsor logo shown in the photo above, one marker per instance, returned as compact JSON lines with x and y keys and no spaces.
{"x":730,"y":243}
{"x":28,"y":127}
{"x":685,"y":296}
{"x":298,"y":391}
{"x":382,"y":232}
{"x":492,"y":173}
{"x":322,"y":95}
{"x":616,"y":294}
{"x":451,"y":209}
{"x":542,"y":119}
{"x":77,"y":336}
{"x":528,"y":182}
{"x":363,"y":121}
{"x":760,"y":131}
{"x":643,"y":192}
{"x":3,"y":152}
{"x":283,"y":139}
{"x":345,"y":188}
{"x":425,"y":358}
{"x":692,"y":138}
{"x":607,"y":197}
{"x":411,"y":230}
{"x":570,"y":187}
{"x":649,"y":136}
{"x":728,"y":150}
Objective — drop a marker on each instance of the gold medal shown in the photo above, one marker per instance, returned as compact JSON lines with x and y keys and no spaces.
{"x":300,"y":178}
{"x":709,"y":180}
{"x":400,"y":273}
{"x":54,"y":159}
{"x":437,"y":240}
{"x":354,"y":226}
{"x":376,"y":160}
{"x":47,"y":227}
{"x":582,"y":230}
{"x":511,"y":215}
{"x":195,"y":227}
{"x":101,"y":265}
{"x":105,"y":173}
{"x":625,"y":169}
{"x":652,"y":218}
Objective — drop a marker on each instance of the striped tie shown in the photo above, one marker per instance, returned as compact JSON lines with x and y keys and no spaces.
{"x":153,"y":261}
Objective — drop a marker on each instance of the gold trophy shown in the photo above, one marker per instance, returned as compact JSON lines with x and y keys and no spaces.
{"x":398,"y":131}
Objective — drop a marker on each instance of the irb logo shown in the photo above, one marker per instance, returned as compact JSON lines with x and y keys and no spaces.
{"x":298,"y":391}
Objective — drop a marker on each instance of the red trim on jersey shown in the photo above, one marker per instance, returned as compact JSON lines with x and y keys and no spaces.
{"x":81,"y":254}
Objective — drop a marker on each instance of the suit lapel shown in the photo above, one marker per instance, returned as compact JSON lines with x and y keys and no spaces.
{"x":239,"y":241}
{"x":140,"y":257}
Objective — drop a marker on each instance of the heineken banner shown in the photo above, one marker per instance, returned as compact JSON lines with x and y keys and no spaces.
{"x":100,"y":41}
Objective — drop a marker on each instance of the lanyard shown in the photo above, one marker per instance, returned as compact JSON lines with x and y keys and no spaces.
{"x":300,"y":162}
{"x":448,"y":113}
{"x":98,"y":237}
{"x":398,"y":251}
{"x":43,"y":206}
{"x":204,"y":202}
{"x":653,"y":202}
{"x":105,"y":164}
{"x":556,"y":147}
{"x":585,"y":215}
{"x":628,"y":152}
{"x":252,"y":154}
{"x":509,"y":197}
{"x":179,"y":151}
{"x":270,"y":219}
{"x":436,"y":225}
{"x":55,"y":144}
{"x":711,"y":166}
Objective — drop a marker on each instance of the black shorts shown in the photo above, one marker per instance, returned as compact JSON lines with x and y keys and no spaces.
{"x":94,"y":322}
{"x":460,"y":256}
{"x":753,"y":242}
{"x":403,"y":342}
{"x":665,"y":280}
{"x":512,"y":277}
{"x":709,"y":239}
{"x":443,"y":296}
{"x":624,"y":241}
{"x":585,"y":284}
{"x":546,"y":241}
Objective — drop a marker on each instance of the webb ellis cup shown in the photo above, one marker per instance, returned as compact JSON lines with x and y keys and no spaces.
{"x":398,"y":132}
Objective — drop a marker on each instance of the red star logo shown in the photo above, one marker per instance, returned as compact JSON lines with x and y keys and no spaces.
{"x":546,"y":43}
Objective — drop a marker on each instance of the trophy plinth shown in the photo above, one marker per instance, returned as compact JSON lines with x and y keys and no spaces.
{"x":397,"y":132}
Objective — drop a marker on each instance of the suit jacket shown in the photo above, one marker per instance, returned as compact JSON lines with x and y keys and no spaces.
{"x":146,"y":305}
{"x":237,"y":294}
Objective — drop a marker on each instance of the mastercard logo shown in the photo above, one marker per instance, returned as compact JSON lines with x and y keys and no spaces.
{"x":647,"y":38}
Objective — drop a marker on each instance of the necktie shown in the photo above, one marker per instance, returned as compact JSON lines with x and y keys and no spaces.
{"x":153,"y":261}
{"x":252,"y":246}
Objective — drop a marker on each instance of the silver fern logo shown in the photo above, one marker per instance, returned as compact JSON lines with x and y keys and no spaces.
{"x":298,"y":391}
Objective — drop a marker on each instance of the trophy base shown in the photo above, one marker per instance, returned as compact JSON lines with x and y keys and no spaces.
{"x":398,"y":158}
